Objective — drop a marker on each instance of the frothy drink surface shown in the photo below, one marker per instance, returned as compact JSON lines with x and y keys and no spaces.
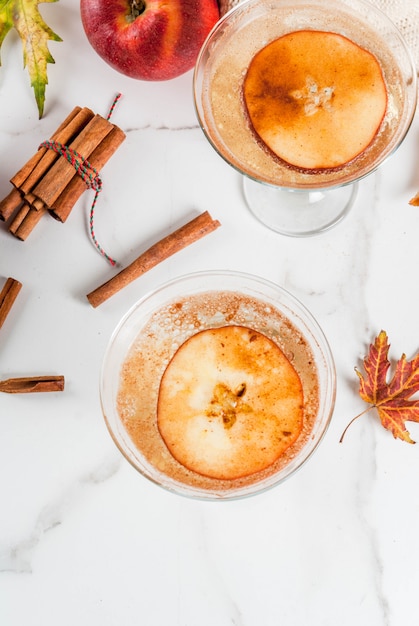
{"x":155,"y":345}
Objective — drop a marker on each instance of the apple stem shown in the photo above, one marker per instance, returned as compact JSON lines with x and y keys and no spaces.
{"x":137,"y":7}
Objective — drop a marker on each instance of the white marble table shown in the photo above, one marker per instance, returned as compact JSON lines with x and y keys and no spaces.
{"x":86,"y":540}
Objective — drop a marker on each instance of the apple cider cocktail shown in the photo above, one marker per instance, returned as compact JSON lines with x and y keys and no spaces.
{"x":300,"y":94}
{"x":219,"y":391}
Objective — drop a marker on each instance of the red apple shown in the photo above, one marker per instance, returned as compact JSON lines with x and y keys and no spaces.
{"x":148,"y":39}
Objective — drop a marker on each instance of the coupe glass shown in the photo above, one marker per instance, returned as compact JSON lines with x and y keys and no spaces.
{"x":287,"y":200}
{"x":210,"y":300}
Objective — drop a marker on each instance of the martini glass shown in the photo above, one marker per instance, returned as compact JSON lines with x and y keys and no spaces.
{"x":288,"y":200}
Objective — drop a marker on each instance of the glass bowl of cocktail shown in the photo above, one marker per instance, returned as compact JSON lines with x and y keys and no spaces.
{"x":218,"y":385}
{"x":304,"y":98}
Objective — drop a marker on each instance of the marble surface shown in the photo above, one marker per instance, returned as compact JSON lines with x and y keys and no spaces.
{"x":83,"y":538}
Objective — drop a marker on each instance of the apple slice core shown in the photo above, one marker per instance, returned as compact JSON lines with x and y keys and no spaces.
{"x":230,"y":403}
{"x":315,"y":99}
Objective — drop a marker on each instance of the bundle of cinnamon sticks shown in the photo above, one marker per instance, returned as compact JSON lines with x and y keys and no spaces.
{"x":48,"y":183}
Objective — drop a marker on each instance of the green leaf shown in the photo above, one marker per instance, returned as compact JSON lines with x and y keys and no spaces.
{"x":24,"y":16}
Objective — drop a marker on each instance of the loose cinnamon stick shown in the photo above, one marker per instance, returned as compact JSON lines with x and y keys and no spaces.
{"x":59,"y":175}
{"x":9,"y":204}
{"x":8,"y":295}
{"x":100,"y":156}
{"x":33,"y":384}
{"x":176,"y":241}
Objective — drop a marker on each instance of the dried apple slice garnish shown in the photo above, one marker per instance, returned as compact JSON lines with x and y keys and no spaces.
{"x":230,"y":403}
{"x":316,"y":99}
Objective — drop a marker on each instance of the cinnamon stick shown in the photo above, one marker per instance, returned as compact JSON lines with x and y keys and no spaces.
{"x":166,"y":247}
{"x":33,"y":201}
{"x":19,"y":178}
{"x":34,"y":384}
{"x":18,"y":218}
{"x":59,"y":175}
{"x":9,"y":204}
{"x":8,"y":295}
{"x":28,"y":223}
{"x":99,"y":157}
{"x":65,"y":135}
{"x":31,"y":172}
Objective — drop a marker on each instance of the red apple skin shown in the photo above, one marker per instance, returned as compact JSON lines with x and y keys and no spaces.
{"x":162,"y":42}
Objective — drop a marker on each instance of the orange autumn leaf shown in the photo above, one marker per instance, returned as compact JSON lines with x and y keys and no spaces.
{"x":390,"y":399}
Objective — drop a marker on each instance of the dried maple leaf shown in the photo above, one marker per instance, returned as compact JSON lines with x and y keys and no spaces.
{"x":391,"y":399}
{"x":415,"y":200}
{"x":24,"y":16}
